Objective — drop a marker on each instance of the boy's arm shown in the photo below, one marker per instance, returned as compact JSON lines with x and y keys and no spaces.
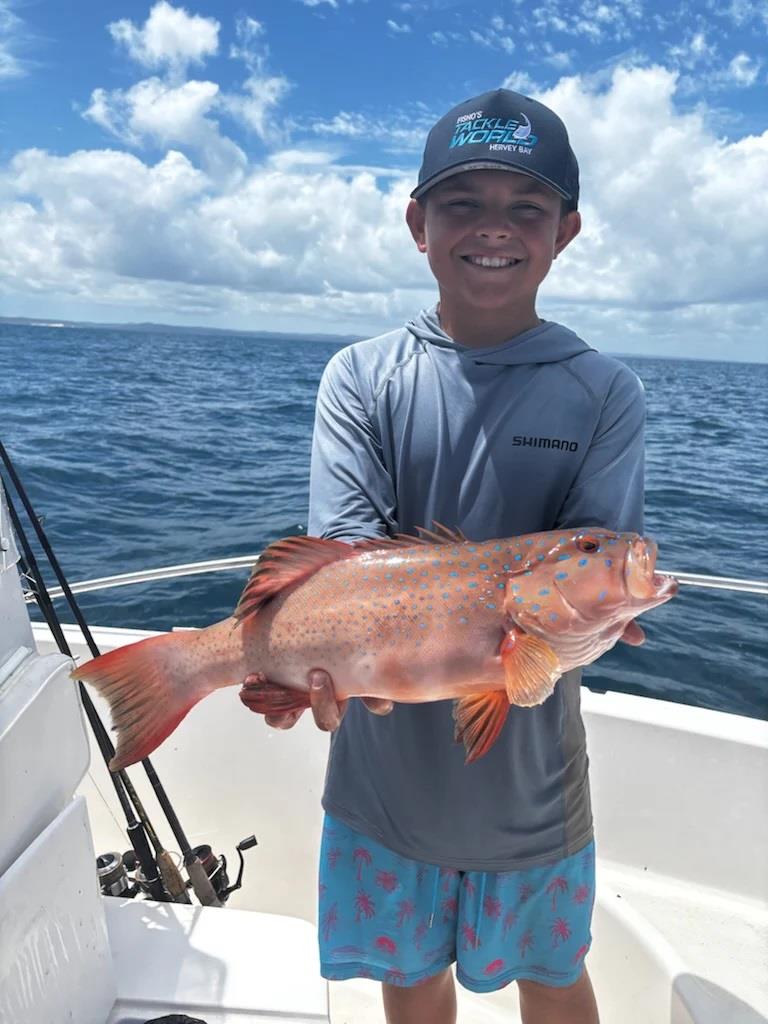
{"x":609,"y":490}
{"x":351,"y":493}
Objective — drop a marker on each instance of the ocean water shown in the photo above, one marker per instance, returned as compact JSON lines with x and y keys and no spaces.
{"x":148,"y":448}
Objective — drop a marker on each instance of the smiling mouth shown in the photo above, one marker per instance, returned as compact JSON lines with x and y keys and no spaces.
{"x":491,"y":262}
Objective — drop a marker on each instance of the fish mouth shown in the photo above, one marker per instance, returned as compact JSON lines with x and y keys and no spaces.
{"x":645,"y":585}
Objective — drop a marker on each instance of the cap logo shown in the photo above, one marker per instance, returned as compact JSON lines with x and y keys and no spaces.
{"x":498,"y":133}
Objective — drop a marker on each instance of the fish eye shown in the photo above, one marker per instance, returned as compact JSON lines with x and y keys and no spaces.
{"x":588,"y":544}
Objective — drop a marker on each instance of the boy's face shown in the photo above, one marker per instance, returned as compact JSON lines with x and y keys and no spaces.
{"x":511,"y":220}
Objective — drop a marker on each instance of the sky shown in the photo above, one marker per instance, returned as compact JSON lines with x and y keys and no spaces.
{"x":248,"y":164}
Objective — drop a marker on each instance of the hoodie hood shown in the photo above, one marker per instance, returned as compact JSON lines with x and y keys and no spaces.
{"x":547,"y":343}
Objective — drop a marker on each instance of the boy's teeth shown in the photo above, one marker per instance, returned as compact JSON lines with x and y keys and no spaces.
{"x":490,"y":261}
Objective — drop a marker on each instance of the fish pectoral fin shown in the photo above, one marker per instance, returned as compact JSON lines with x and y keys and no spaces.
{"x":531,"y":668}
{"x":266,"y":698}
{"x":479,"y":719}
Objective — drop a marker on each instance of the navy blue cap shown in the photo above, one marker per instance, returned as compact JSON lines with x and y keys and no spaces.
{"x":501,"y":130}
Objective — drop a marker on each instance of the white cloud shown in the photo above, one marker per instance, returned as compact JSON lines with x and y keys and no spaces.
{"x":521,"y":81}
{"x":169,"y":115}
{"x":743,"y":70}
{"x":398,"y":28}
{"x":673,"y":236}
{"x":10,"y":32}
{"x":170,"y":36}
{"x":262,"y":90}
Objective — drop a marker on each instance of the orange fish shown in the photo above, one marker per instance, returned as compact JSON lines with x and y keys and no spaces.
{"x":411,"y":619}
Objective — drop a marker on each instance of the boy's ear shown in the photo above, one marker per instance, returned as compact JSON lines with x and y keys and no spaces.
{"x":415,"y":219}
{"x":569,"y":227}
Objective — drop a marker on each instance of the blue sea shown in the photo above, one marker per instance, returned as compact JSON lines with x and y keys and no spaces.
{"x":145,"y":448}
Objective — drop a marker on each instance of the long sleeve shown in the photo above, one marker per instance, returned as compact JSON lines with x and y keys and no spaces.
{"x":609,"y":490}
{"x":351,"y":493}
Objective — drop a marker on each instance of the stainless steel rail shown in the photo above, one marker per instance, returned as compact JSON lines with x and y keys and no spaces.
{"x":247,"y":561}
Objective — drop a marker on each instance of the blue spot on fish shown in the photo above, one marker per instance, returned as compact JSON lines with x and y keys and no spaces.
{"x":483,"y":565}
{"x":583,"y":561}
{"x":518,"y":557}
{"x":453,"y":574}
{"x":563,"y":558}
{"x":490,"y":604}
{"x":535,"y":607}
{"x":561,"y":576}
{"x":501,"y":586}
{"x":463,"y":621}
{"x":471,"y":585}
{"x":553,"y":617}
{"x":602,"y":595}
{"x":543,"y":593}
{"x":519,"y":600}
{"x":609,"y":562}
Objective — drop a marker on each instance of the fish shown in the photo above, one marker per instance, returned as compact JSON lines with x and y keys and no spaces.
{"x":434,"y":616}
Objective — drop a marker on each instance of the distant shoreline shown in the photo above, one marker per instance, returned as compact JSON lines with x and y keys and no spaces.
{"x":146,"y":327}
{"x":287,"y":336}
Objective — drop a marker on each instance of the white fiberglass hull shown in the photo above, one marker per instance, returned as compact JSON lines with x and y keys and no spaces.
{"x":680,"y":798}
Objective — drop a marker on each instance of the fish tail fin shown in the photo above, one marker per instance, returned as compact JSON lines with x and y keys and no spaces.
{"x":479,"y":719}
{"x":147,"y":698}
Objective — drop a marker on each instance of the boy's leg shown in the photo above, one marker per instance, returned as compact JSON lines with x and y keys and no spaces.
{"x":431,"y":1002}
{"x":544,"y":1004}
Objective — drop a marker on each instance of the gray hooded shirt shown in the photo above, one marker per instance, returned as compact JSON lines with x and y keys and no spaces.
{"x":538,"y":433}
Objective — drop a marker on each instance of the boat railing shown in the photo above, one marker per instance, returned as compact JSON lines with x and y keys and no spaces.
{"x":169,"y":572}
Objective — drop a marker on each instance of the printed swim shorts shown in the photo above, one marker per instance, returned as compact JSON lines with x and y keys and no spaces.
{"x":386,"y":917}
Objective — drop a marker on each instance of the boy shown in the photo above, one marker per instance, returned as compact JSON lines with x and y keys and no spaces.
{"x":480,"y":416}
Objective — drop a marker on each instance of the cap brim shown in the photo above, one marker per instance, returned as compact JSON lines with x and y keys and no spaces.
{"x":484,"y":165}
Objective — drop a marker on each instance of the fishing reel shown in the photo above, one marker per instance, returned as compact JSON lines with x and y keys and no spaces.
{"x":121,"y":874}
{"x":216,"y":867}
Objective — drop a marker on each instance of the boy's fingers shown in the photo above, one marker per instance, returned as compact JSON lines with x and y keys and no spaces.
{"x":633,"y":634}
{"x":328,"y":712}
{"x":378,"y":705}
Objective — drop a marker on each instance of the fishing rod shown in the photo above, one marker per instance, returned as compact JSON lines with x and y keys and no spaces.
{"x":137,"y":829}
{"x":175,"y":886}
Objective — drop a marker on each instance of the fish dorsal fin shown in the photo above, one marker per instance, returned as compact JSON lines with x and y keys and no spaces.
{"x":439,"y":534}
{"x":287,"y":561}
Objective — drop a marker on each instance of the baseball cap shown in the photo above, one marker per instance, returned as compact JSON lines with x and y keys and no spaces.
{"x":501,"y":130}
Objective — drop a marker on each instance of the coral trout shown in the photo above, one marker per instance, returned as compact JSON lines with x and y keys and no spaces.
{"x":434,"y":617}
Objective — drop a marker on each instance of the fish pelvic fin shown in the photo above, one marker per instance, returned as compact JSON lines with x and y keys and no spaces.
{"x":531,"y":668}
{"x":266,"y":698}
{"x":145,"y":701}
{"x":284,"y":563}
{"x":479,"y":719}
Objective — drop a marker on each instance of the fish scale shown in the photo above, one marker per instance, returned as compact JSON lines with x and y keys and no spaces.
{"x":486,"y":624}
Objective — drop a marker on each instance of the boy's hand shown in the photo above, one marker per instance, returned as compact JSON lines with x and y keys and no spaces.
{"x":326,"y":710}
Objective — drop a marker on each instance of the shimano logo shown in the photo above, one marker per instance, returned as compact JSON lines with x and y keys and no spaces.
{"x":545,"y":442}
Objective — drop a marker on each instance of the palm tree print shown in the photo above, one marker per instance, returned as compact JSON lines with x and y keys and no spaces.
{"x":450,"y":908}
{"x":581,"y":894}
{"x":418,"y":936}
{"x":447,"y":875}
{"x":364,"y":905}
{"x":526,"y":942}
{"x":329,"y":921}
{"x":560,"y":931}
{"x":470,"y":936}
{"x":557,"y":885}
{"x":469,"y":886}
{"x":405,"y":911}
{"x":510,"y":919}
{"x":387,"y":880}
{"x":362,"y":856}
{"x":492,"y":907}
{"x":525,"y":892}
{"x":333,"y":857}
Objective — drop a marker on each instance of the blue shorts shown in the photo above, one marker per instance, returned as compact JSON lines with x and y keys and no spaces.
{"x":400,"y":921}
